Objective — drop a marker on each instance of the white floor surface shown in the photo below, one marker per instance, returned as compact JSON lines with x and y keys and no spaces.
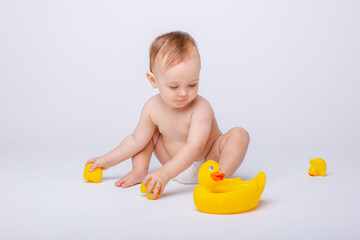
{"x":49,"y":200}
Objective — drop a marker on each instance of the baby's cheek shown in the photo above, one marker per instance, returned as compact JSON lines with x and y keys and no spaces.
{"x":170,"y":96}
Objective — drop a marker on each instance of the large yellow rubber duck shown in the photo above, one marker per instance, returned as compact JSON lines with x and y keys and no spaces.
{"x":318,"y":167}
{"x":94,"y":176}
{"x":214,"y":194}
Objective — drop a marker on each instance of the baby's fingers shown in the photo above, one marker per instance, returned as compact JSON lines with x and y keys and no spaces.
{"x":90,"y":161}
{"x":150,"y":187}
{"x":93,"y":167}
{"x":145,"y":181}
{"x":157,"y":190}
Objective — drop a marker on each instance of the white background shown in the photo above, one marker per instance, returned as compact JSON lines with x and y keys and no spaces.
{"x":72,"y":85}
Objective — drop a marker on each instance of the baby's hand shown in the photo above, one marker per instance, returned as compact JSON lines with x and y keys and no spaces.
{"x":158,"y":179}
{"x":99,"y":162}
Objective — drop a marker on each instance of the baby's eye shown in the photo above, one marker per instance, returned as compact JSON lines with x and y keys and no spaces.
{"x":211,"y":168}
{"x":173,"y":87}
{"x":192,"y":85}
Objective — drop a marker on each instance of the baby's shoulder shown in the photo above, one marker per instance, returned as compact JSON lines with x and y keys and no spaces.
{"x":202,"y":102}
{"x":202,"y":105}
{"x":153,"y":101}
{"x":151,"y":106}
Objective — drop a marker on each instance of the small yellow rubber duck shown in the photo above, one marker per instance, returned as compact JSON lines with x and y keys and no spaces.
{"x":144,"y":189}
{"x":94,"y":176}
{"x":214,"y":194}
{"x":318,"y":167}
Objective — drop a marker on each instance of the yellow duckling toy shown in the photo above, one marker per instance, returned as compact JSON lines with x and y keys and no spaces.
{"x":214,"y":194}
{"x":144,"y":189}
{"x":318,"y":167}
{"x":94,"y":176}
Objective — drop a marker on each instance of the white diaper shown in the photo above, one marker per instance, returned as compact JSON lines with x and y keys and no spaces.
{"x":190,"y":175}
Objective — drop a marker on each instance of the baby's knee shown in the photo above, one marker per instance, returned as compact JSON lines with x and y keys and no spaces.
{"x":239,"y":134}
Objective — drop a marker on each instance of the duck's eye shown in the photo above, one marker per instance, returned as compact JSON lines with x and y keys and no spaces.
{"x":220,"y":169}
{"x":211,"y":168}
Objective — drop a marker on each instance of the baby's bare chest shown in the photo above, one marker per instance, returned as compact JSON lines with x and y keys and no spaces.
{"x":174,"y":127}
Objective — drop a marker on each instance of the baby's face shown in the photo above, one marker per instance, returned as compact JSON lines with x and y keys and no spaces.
{"x":179,"y":85}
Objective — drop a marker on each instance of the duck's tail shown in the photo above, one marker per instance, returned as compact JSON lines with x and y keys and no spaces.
{"x":261,"y":181}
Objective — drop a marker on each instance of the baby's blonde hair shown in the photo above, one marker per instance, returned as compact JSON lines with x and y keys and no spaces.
{"x":175,"y":47}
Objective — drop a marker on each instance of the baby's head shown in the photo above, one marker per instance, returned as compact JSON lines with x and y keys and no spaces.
{"x":175,"y":68}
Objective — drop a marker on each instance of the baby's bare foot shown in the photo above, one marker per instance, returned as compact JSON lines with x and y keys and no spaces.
{"x":132,"y":178}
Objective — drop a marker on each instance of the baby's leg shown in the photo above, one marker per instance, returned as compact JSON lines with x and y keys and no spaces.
{"x":141,"y":161}
{"x":140,"y":166}
{"x":230,"y":149}
{"x":160,"y":151}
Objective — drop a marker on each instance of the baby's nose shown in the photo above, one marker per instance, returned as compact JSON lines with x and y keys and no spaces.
{"x":182,"y":92}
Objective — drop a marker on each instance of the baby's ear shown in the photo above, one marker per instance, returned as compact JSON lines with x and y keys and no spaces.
{"x":151,"y":79}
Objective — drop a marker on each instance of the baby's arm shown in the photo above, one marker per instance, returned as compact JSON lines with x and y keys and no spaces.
{"x":200,"y":127}
{"x":131,"y":145}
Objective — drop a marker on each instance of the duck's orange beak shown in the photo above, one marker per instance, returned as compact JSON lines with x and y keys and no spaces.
{"x":217,"y":176}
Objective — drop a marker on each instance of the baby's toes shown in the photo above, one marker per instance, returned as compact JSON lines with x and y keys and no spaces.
{"x":120,"y":182}
{"x":131,"y":181}
{"x":125,"y":182}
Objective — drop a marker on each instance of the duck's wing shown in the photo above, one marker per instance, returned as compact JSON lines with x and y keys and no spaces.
{"x":231,"y":180}
{"x":235,"y":184}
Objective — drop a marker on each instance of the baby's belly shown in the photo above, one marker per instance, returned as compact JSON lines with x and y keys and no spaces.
{"x":172,"y":147}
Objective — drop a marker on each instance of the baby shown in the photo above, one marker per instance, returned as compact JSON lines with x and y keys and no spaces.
{"x":177,"y":124}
